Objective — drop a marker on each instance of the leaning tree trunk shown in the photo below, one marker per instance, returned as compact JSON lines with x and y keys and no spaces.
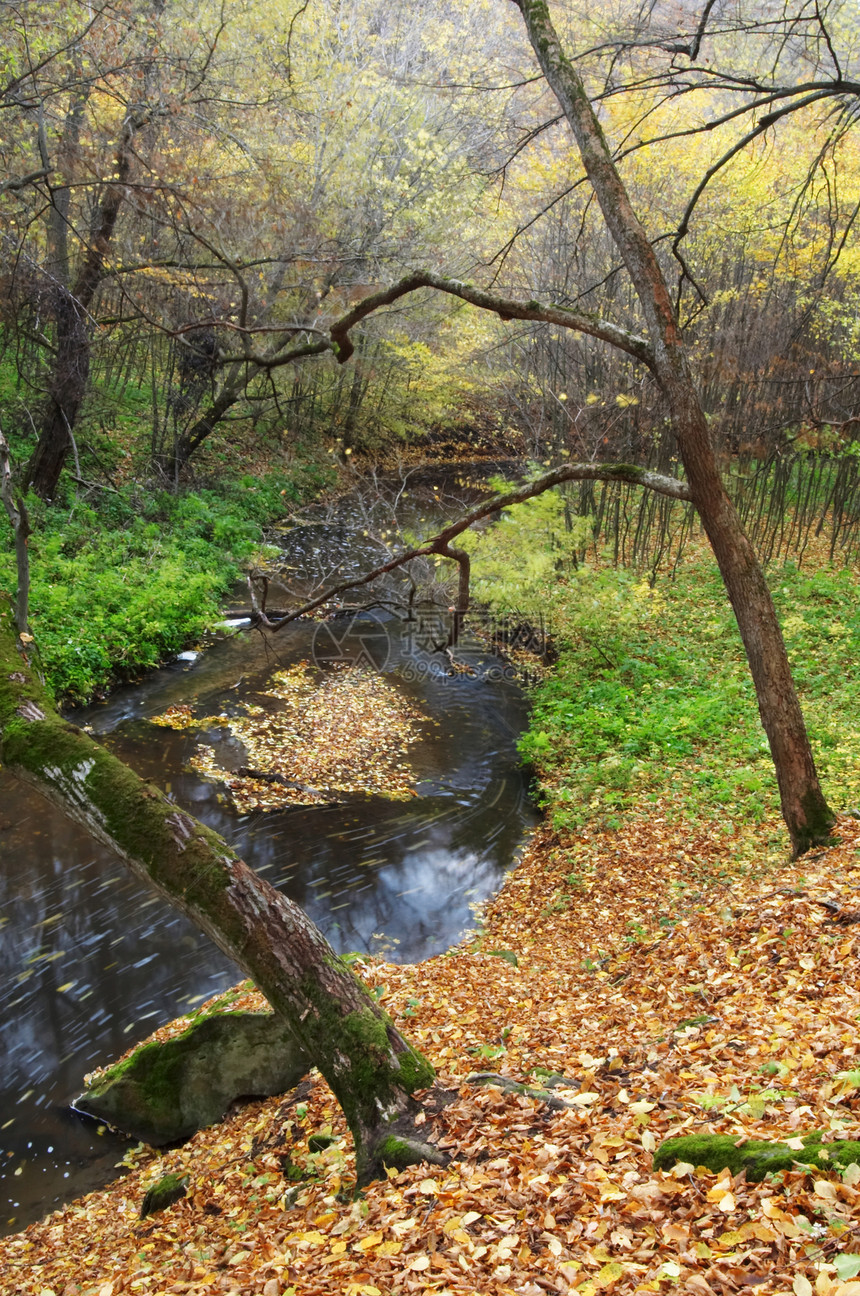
{"x":232,"y":391}
{"x":806,"y":813}
{"x":371,"y":1068}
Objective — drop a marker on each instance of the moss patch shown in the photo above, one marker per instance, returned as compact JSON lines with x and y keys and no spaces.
{"x":164,"y":1092}
{"x":758,"y":1157}
{"x":169,"y":1189}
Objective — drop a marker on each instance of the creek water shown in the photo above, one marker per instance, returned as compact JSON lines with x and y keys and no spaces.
{"x":90,"y":960}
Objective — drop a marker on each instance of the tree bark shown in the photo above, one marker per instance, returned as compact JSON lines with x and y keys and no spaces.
{"x":66,"y":390}
{"x":16,"y":511}
{"x":805,"y":810}
{"x":371,"y":1068}
{"x":71,"y":370}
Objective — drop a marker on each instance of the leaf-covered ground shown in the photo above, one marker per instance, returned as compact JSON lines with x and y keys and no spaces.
{"x":684,"y":982}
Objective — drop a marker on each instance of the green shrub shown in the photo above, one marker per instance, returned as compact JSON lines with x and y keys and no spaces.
{"x":651,"y":696}
{"x":118,"y":588}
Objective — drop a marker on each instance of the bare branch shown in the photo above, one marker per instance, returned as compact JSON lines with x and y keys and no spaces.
{"x":504,"y":307}
{"x":764,"y":124}
{"x":14,"y":183}
{"x":692,"y":50}
{"x":441,"y":543}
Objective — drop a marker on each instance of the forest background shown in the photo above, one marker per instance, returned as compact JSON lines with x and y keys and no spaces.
{"x":192,"y":197}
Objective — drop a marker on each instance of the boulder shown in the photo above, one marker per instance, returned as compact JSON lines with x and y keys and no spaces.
{"x":163,"y":1092}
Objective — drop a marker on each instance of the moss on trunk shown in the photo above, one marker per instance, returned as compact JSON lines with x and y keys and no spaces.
{"x":332,"y":1016}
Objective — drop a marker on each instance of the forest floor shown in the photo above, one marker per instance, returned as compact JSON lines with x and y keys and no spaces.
{"x":685,"y":980}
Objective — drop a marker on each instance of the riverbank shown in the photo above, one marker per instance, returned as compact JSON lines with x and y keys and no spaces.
{"x":652,"y":689}
{"x":684,"y":985}
{"x":657,"y":948}
{"x":125,"y":579}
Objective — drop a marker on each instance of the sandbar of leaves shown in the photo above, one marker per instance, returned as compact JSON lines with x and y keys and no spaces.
{"x":319,"y":736}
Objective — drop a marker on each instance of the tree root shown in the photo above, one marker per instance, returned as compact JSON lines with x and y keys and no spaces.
{"x":541,"y":1094}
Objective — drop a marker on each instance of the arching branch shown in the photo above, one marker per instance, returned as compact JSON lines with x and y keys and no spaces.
{"x":441,"y":543}
{"x":504,"y":307}
{"x":761,"y":126}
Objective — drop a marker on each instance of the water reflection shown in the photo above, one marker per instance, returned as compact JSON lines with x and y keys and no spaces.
{"x":90,"y":959}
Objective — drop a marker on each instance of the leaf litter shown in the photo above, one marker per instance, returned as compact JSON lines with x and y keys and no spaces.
{"x":681,"y":984}
{"x":318,"y":736}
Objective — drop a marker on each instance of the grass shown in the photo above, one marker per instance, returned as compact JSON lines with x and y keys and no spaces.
{"x":667,"y":710}
{"x":119,"y":587}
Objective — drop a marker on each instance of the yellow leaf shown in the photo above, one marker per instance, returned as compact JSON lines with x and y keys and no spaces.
{"x":421,"y":1262}
{"x":390,"y":1249}
{"x":429,"y":1186}
{"x":609,"y":1274}
{"x":726,"y":1204}
{"x":801,"y":1286}
{"x":368,"y":1243}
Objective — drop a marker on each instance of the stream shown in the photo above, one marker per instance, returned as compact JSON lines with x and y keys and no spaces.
{"x":91,"y":960}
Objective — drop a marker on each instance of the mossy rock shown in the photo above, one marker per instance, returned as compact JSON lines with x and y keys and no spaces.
{"x":164,"y":1092}
{"x":170,"y":1188}
{"x":758,"y":1157}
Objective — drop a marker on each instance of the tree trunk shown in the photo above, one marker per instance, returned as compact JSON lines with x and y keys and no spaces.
{"x":371,"y":1068}
{"x":806,"y":813}
{"x":66,"y":391}
{"x":232,"y":391}
{"x":71,"y":369}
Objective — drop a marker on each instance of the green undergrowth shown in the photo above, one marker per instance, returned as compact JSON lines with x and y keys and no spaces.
{"x":651,"y":697}
{"x":118,"y":586}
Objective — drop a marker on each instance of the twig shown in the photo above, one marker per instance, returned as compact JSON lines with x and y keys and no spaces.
{"x":441,"y":543}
